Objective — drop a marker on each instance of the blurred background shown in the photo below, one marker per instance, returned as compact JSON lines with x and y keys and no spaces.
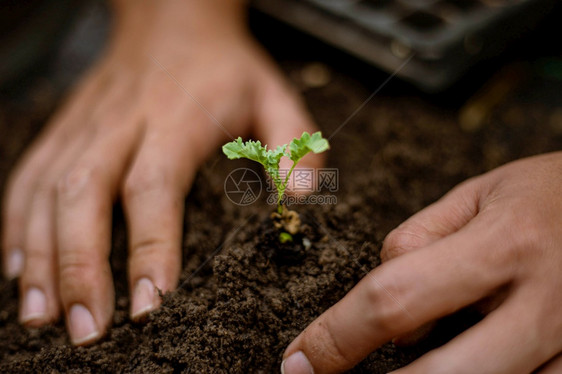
{"x":432,"y":44}
{"x":469,"y":55}
{"x":428,"y":42}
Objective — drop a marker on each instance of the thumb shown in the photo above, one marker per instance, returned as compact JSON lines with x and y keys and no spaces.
{"x":281,"y":116}
{"x":440,"y":219}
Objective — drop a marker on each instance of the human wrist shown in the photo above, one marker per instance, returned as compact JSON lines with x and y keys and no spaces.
{"x":159,"y":26}
{"x":194,"y":14}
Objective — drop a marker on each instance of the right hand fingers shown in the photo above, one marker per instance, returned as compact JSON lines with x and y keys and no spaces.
{"x":383,"y":305}
{"x":444,"y":217}
{"x":554,"y":366}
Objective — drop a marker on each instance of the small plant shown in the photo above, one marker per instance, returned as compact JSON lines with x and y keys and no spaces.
{"x":269,"y":159}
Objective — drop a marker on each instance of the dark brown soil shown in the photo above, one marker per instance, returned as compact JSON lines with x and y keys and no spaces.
{"x":240,"y":304}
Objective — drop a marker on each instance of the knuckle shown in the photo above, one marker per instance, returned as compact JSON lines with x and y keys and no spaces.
{"x":398,"y":242}
{"x":389,"y":315}
{"x":38,"y":266}
{"x":531,"y":230}
{"x":36,"y":254}
{"x":156,"y":255}
{"x":75,"y":269}
{"x":528,"y":231}
{"x":334,"y":350}
{"x":523,"y":234}
{"x":146,"y":182}
{"x":113,"y":120}
{"x":150,"y":248}
{"x":78,"y":181}
{"x":521,"y":223}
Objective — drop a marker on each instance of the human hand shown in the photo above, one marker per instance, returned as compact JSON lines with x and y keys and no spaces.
{"x":499,"y":231}
{"x":178,"y":79}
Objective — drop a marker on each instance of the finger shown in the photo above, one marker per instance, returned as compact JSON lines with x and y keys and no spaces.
{"x":153,"y":196}
{"x":22,"y":182}
{"x":39,"y":295}
{"x":383,"y":305}
{"x":438,"y":220}
{"x":483,"y":307}
{"x":505,"y":342}
{"x":554,"y":366}
{"x":281,"y":117}
{"x":84,"y":206}
{"x":38,"y":287}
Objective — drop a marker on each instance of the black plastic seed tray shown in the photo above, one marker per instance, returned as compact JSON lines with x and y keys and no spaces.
{"x":428,"y":42}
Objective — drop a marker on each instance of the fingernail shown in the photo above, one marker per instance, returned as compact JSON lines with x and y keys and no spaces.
{"x":82,"y":326}
{"x":34,"y":305}
{"x":143,"y":298}
{"x":14,"y":265}
{"x":297,"y":363}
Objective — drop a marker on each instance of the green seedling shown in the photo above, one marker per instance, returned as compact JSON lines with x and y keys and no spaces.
{"x":270,"y":158}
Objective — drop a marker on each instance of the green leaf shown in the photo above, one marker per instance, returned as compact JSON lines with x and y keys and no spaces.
{"x":307,"y":143}
{"x":252,"y":150}
{"x":272,"y":162}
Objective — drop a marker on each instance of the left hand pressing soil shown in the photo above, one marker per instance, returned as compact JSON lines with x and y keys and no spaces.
{"x":178,"y":79}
